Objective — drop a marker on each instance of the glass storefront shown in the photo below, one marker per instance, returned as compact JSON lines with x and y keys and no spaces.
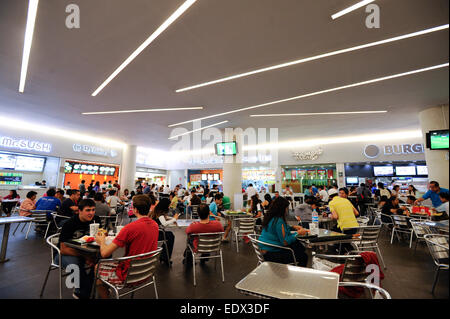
{"x":299,"y":177}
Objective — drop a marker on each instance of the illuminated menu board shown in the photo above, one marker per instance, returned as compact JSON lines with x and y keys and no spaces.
{"x":11,"y":178}
{"x":21,"y":163}
{"x":88,"y":169}
{"x":7,"y":161}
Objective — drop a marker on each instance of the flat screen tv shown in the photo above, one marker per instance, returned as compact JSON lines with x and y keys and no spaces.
{"x":30,"y":164}
{"x":383,"y":170}
{"x":437,"y":140}
{"x":226,"y":148}
{"x":422,"y":170}
{"x":352,"y":180}
{"x":405,"y":170}
{"x":7,"y":161}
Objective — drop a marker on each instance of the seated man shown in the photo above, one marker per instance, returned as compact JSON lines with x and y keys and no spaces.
{"x":441,"y":212}
{"x":303,"y":212}
{"x":49,"y":203}
{"x":345,"y":213}
{"x":205,"y":225}
{"x":77,"y":227}
{"x":138,"y":237}
{"x":69,"y":206}
{"x":216,"y":215}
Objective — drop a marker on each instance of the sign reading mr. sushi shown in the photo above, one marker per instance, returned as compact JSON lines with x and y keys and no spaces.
{"x":24,"y":144}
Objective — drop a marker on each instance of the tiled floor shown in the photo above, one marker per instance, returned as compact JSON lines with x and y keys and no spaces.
{"x":408,"y":275}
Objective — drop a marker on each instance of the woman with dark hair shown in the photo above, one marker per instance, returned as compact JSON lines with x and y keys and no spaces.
{"x":96,"y":187}
{"x":28,"y":204}
{"x":256,"y":208}
{"x":11,"y":200}
{"x":267,"y":201}
{"x":412,"y":191}
{"x":159,"y":215}
{"x":277,"y":232}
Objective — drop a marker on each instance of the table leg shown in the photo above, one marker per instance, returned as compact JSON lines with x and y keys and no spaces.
{"x":4,"y":243}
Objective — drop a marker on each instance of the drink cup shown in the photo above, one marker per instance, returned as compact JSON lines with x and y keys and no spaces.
{"x":93,"y":229}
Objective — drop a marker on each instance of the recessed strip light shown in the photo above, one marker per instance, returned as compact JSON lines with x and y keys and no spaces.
{"x":319,"y":92}
{"x":185,"y":6}
{"x":324,"y":113}
{"x":196,"y":130}
{"x":146,"y":110}
{"x":29,"y":31}
{"x":351,"y":8}
{"x":317,"y":57}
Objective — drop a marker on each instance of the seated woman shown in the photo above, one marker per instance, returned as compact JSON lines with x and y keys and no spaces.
{"x":267,"y":201}
{"x":276,"y":231}
{"x":28,"y":204}
{"x":13,"y":197}
{"x":256,"y":208}
{"x":159,"y":215}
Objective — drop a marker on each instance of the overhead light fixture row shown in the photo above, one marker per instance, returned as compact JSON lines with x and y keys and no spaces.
{"x":316,"y":57}
{"x":389,"y":77}
{"x":28,"y":40}
{"x":146,"y":110}
{"x":183,"y":8}
{"x":351,"y":8}
{"x":323,"y":113}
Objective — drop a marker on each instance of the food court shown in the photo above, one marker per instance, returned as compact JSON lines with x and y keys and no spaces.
{"x":236,"y":150}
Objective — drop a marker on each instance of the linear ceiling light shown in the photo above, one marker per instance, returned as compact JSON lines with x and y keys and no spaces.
{"x":29,"y":31}
{"x":319,"y":92}
{"x":324,"y":113}
{"x":317,"y":57}
{"x":196,"y":130}
{"x":6,"y":121}
{"x":351,"y":8}
{"x":146,"y":110}
{"x":185,"y":6}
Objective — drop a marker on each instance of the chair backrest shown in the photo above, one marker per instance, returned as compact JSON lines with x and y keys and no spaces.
{"x":53,"y":241}
{"x":362,"y":221}
{"x":209,"y":242}
{"x":40,"y":217}
{"x":438,"y":246}
{"x":354,"y":270}
{"x":245,"y":225}
{"x":420,"y":229}
{"x":163,"y":233}
{"x":369,"y":234}
{"x":383,"y":294}
{"x":142,"y":267}
{"x":254,"y":240}
{"x":194,"y":210}
{"x":400,"y":221}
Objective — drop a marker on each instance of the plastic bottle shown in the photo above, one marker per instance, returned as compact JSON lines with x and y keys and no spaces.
{"x":315,"y":221}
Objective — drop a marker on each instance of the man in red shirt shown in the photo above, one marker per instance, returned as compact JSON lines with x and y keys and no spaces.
{"x":138,"y":237}
{"x":205,"y":225}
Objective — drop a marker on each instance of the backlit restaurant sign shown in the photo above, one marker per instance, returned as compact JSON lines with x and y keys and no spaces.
{"x":94,"y":150}
{"x":373,"y":151}
{"x":24,"y":144}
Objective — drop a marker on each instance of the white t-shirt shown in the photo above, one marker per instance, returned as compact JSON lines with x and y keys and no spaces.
{"x":113,"y":201}
{"x":166,"y":190}
{"x":332,"y":191}
{"x":443,"y":208}
{"x":251,"y":191}
{"x":324,"y":195}
{"x":181,"y":192}
{"x":103,"y":186}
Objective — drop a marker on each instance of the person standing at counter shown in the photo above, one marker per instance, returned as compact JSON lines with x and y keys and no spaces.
{"x":433,"y":194}
{"x":82,"y":187}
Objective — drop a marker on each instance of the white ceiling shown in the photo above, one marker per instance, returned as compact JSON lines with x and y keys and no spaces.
{"x":213,"y":39}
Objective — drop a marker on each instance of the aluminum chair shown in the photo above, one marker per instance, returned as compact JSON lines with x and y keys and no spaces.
{"x":163,"y":242}
{"x":354,"y":267}
{"x":40,"y":219}
{"x":208,"y":243}
{"x":419,"y":230}
{"x":242,"y":228}
{"x":401,"y":226}
{"x":194,"y":212}
{"x":368,"y":241}
{"x":363,"y":221}
{"x":255,"y":243}
{"x":140,"y":274}
{"x":52,"y":241}
{"x":383,"y":294}
{"x":438,"y":247}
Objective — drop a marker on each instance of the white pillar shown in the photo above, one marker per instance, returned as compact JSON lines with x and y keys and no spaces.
{"x":436,"y":118}
{"x":278,"y":179}
{"x":232,"y":168}
{"x":340,"y":171}
{"x":128,"y":174}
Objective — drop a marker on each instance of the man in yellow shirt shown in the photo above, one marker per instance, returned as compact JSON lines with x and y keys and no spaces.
{"x":344,"y":211}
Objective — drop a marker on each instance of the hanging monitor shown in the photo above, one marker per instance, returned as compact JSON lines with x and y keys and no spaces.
{"x":226,"y":148}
